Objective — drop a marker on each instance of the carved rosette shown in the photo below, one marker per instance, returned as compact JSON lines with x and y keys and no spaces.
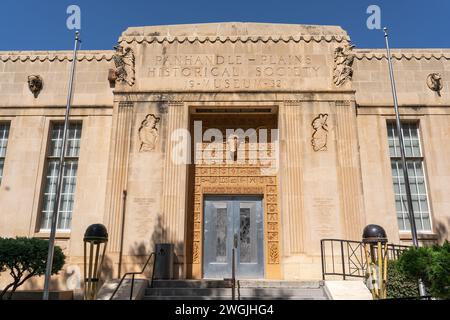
{"x":343,"y":64}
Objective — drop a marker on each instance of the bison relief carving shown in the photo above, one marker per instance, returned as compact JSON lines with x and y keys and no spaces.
{"x":343,"y":62}
{"x":320,"y":134}
{"x":149,"y":133}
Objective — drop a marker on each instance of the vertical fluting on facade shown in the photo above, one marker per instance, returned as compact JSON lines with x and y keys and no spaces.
{"x":349,"y":172}
{"x":291,"y":177}
{"x":117,"y":172}
{"x":173,"y":204}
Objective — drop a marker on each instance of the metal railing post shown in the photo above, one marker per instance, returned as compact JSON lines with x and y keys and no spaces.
{"x":132,"y":286}
{"x":153,"y":270}
{"x":322,"y":254}
{"x":342,"y":258}
{"x":133,"y":274}
{"x":233,"y":274}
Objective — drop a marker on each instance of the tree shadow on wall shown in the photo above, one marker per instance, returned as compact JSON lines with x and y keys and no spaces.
{"x":139,"y":252}
{"x":442,"y":231}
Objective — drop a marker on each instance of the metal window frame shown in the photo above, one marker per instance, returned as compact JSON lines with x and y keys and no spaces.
{"x":48,"y":159}
{"x":8,"y":124}
{"x":390,"y":124}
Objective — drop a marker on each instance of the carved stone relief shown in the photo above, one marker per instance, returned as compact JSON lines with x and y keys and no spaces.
{"x":434,"y":82}
{"x":343,"y":61}
{"x":35,"y":84}
{"x":274,"y":253}
{"x":125,"y":66}
{"x":149,"y":133}
{"x":232,"y":146}
{"x":320,"y":133}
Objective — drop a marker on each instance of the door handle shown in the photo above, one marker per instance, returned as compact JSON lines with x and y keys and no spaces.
{"x":235,"y":240}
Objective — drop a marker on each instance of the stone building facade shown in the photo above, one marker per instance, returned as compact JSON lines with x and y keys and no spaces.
{"x":135,"y":163}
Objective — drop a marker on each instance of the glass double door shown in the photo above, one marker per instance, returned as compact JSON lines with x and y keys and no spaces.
{"x":233,"y":222}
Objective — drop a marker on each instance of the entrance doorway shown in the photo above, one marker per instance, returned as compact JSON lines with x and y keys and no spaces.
{"x":233,"y":222}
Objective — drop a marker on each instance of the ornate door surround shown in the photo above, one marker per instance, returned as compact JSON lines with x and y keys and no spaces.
{"x":234,"y":179}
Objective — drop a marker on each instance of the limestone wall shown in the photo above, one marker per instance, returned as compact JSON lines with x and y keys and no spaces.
{"x":91,"y":86}
{"x":30,"y":118}
{"x":411,"y":69}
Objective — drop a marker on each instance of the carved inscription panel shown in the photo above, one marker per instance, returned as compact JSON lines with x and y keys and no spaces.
{"x":218,"y":70}
{"x":232,"y":71}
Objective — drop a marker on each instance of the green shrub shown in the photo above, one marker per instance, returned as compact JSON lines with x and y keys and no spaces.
{"x":399,"y":285}
{"x":432,"y":265}
{"x":24,"y":258}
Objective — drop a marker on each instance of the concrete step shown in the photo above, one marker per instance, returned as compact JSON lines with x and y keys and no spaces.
{"x":240,"y":283}
{"x":191,"y":284}
{"x":280,"y":284}
{"x":245,"y":290}
{"x":229,"y":298}
{"x":227,"y":291}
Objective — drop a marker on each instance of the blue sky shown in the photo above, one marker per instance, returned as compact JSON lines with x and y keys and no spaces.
{"x":41,"y":25}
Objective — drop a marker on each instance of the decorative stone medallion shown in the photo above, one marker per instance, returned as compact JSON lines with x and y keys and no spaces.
{"x":434,"y":82}
{"x":35,"y":84}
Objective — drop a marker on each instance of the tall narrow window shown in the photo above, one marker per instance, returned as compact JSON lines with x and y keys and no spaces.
{"x":414,"y":162}
{"x":68,"y":180}
{"x":4,"y":133}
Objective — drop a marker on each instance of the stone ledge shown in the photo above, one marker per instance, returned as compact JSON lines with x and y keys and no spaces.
{"x":347,"y":290}
{"x":123,"y":293}
{"x":37,"y":295}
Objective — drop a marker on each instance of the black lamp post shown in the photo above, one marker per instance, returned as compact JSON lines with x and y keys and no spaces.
{"x":95,"y":240}
{"x":375,"y":248}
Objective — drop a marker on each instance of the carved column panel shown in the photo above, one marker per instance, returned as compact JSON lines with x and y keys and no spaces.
{"x":173,"y":204}
{"x":349,"y":171}
{"x":291,"y":177}
{"x":117,"y":172}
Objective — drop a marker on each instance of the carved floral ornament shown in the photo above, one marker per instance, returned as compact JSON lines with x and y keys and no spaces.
{"x":320,"y":132}
{"x":35,"y":84}
{"x":434,"y":82}
{"x":149,"y":133}
{"x":124,"y":62}
{"x":343,"y":64}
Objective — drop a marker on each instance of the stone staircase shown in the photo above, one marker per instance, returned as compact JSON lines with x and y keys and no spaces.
{"x":245,"y":290}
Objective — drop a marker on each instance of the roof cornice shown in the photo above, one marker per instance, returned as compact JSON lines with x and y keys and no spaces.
{"x":403,"y":54}
{"x":232,"y":39}
{"x":42,"y":56}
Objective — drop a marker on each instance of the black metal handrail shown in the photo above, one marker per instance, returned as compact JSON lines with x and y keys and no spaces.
{"x":133,"y":275}
{"x":349,"y":260}
{"x":412,"y":298}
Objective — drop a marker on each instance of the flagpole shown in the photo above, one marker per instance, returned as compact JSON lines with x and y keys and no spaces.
{"x":51,"y":245}
{"x":412,"y":221}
